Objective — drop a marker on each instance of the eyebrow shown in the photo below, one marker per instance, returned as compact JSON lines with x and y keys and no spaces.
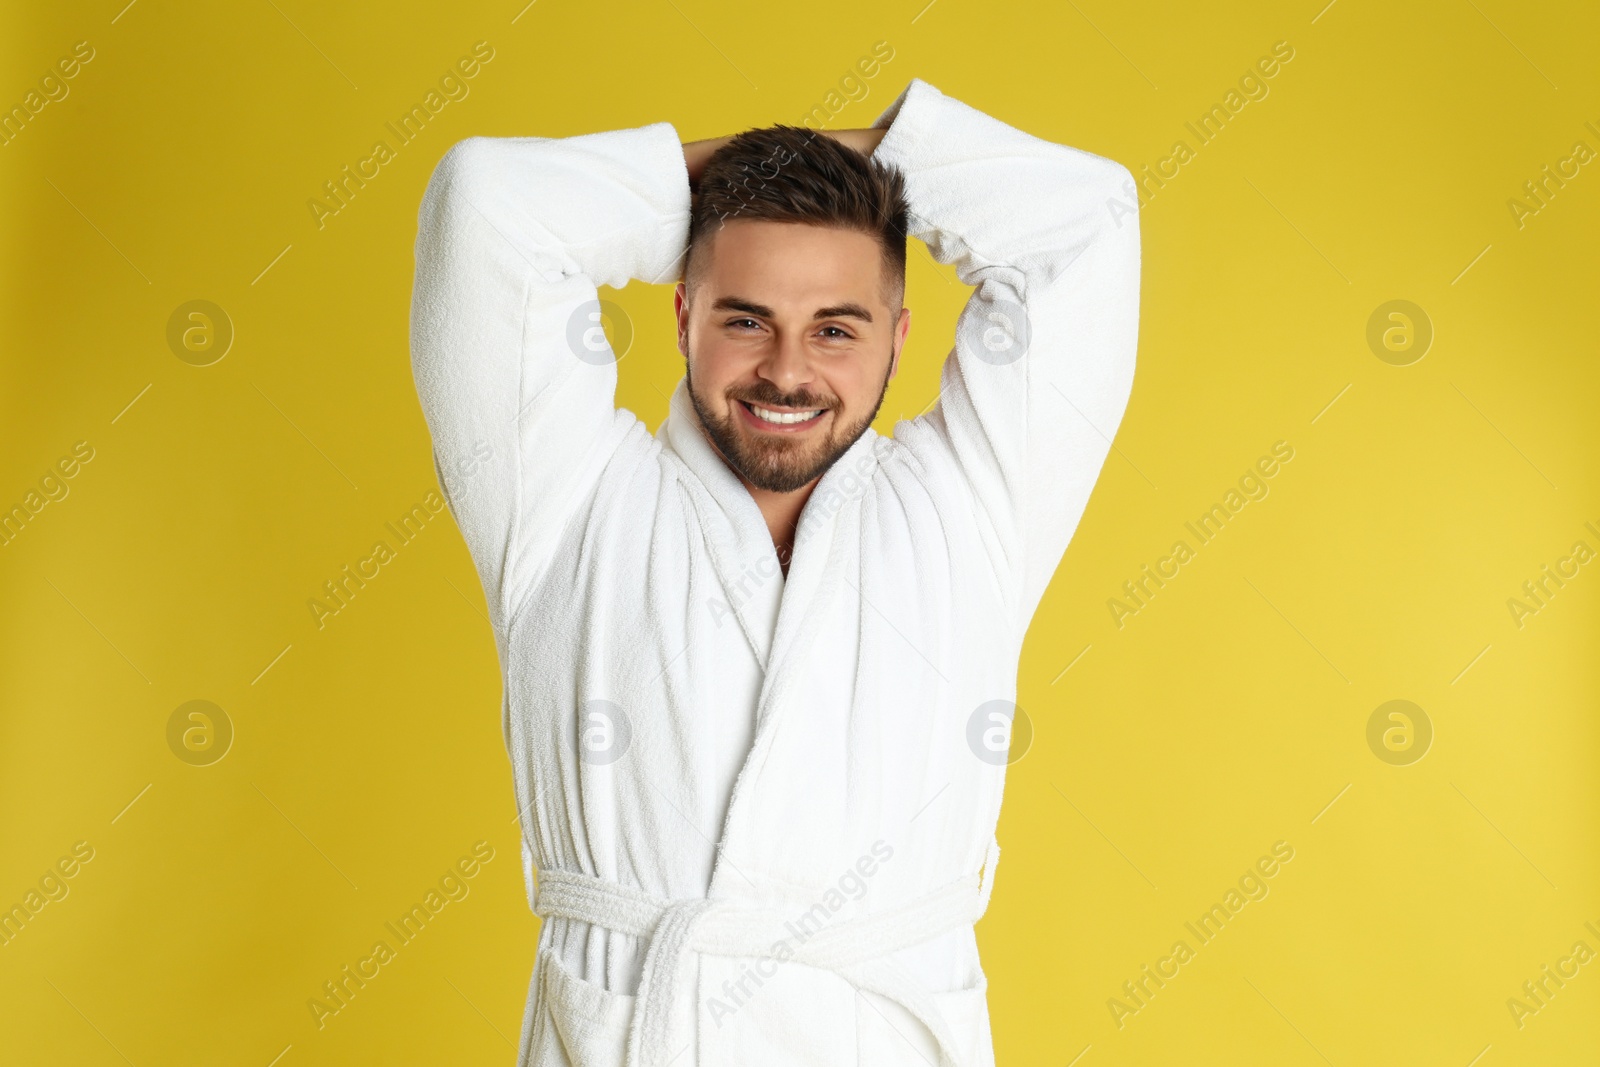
{"x":749,"y":307}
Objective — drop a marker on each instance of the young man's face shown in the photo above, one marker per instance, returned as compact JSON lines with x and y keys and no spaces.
{"x":790,"y":346}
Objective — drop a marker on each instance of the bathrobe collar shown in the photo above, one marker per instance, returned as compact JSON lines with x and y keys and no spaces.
{"x":755,"y":590}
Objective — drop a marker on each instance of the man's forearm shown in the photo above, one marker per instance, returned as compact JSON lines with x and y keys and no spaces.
{"x":863,"y":141}
{"x":697,"y":153}
{"x":1044,"y":356}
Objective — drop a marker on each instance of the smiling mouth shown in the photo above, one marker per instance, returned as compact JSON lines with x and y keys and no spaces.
{"x":783,"y":419}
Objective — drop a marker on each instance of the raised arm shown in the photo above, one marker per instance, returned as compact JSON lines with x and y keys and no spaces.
{"x":513,"y":371}
{"x":1041,"y":371}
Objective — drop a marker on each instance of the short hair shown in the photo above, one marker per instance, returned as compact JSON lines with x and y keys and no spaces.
{"x":797,"y":174}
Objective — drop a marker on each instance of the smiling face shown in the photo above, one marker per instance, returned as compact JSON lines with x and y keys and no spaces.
{"x":791,"y":342}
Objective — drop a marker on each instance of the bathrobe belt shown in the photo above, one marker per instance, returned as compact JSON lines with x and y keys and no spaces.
{"x":855,"y":949}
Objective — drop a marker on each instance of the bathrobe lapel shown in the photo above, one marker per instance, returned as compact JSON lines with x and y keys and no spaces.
{"x":781,"y":618}
{"x":767,"y":606}
{"x":735,"y":531}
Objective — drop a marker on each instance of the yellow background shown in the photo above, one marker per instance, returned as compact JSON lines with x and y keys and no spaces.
{"x":1225,"y":716}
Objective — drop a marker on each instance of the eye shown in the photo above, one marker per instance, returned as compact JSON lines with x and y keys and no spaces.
{"x":840,"y":333}
{"x":736,"y":322}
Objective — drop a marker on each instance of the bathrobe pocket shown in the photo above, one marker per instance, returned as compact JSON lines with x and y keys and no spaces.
{"x":889,"y":1034}
{"x":590,"y":1023}
{"x":966,"y":1013}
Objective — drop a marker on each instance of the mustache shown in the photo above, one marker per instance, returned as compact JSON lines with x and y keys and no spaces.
{"x":768,"y":395}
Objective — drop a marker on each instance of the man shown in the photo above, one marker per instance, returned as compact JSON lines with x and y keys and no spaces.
{"x":759,"y":781}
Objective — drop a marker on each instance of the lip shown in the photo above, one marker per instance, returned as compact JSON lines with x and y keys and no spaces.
{"x":749,"y":418}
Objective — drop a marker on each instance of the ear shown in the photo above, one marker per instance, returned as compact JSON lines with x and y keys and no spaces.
{"x":680,"y":309}
{"x":902,"y":328}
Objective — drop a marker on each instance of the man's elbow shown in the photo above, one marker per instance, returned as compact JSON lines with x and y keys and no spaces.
{"x":454,"y":176}
{"x":1116,"y":198}
{"x":469,"y":206}
{"x":1115,"y":178}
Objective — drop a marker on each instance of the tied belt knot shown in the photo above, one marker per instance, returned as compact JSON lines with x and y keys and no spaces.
{"x":854,"y":949}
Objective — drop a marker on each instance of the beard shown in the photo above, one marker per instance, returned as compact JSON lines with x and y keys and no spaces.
{"x":780,"y":463}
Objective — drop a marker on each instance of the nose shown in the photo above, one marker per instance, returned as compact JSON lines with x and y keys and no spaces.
{"x":787,"y":365}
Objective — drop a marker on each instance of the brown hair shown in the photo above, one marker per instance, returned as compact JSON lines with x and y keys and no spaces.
{"x":796,"y":174}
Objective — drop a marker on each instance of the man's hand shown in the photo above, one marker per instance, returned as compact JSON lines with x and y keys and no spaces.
{"x":696,"y":153}
{"x":863,"y":141}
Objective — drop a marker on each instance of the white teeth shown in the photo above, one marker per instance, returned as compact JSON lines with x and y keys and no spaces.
{"x":784,"y":418}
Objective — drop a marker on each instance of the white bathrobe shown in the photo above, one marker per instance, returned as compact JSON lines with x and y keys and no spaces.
{"x":758,"y":814}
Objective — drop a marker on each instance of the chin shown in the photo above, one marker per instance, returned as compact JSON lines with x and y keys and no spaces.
{"x":775,"y":462}
{"x":785,"y":477}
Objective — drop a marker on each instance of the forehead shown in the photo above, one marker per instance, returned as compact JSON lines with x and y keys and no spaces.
{"x":791,"y":265}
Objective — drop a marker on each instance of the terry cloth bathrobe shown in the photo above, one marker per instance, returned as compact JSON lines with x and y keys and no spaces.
{"x":758,"y":814}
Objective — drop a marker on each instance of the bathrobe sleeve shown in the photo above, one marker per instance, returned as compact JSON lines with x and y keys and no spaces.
{"x":1035,"y":387}
{"x":514,"y":373}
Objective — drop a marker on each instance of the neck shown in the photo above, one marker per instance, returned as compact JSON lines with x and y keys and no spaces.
{"x":780,"y":511}
{"x":782,"y":514}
